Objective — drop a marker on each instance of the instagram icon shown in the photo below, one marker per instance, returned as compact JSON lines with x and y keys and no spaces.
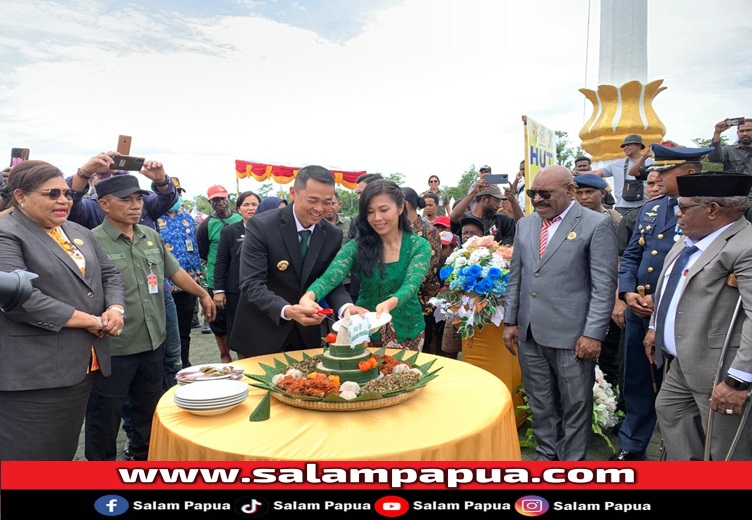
{"x":531,"y":505}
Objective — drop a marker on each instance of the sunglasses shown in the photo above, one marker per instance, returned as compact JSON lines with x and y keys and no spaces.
{"x":55,"y":193}
{"x":544,"y":194}
{"x":107,"y":175}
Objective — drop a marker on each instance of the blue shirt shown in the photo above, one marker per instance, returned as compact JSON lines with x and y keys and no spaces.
{"x":179,"y":234}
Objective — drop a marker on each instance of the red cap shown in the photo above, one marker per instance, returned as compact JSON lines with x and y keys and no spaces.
{"x":448,"y":238}
{"x":442,"y":221}
{"x":216,"y":191}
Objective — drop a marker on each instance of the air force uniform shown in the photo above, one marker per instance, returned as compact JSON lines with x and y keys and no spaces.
{"x":655,"y":233}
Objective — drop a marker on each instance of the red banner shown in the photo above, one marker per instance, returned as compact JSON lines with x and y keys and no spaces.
{"x":457,"y":475}
{"x":286,"y":174}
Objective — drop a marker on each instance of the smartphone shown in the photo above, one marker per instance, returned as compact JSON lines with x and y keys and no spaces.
{"x":128,"y":163}
{"x":124,"y":145}
{"x":497,"y":178}
{"x":18,"y":155}
{"x":735,"y":121}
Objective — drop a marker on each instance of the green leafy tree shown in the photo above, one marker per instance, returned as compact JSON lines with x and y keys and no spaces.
{"x":264,"y":189}
{"x":188,"y":205}
{"x":349,"y":200}
{"x":398,"y":178}
{"x":459,"y":192}
{"x":708,"y":166}
{"x":202,"y":204}
{"x":566,"y":154}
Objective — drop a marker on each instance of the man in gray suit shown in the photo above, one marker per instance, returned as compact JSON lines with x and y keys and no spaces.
{"x":558,"y":306}
{"x":704,"y":277}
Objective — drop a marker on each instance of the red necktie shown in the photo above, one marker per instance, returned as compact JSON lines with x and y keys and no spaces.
{"x":544,"y":234}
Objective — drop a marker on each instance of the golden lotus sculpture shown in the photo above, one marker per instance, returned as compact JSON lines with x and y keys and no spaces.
{"x":618,"y":112}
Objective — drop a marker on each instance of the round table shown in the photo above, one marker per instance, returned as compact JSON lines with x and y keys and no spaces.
{"x":465,"y":413}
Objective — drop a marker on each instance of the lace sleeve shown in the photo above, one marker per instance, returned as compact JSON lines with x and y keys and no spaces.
{"x":418,"y":265}
{"x":336,"y":272}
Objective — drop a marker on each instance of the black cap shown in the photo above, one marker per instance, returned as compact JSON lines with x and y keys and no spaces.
{"x":633,"y":139}
{"x":590,"y":180}
{"x":714,"y":185}
{"x":120,"y":186}
{"x":471,"y":220}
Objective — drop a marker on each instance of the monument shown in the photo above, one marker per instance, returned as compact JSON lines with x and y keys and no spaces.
{"x":626,"y":109}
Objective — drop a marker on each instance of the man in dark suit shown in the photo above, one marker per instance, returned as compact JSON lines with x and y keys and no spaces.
{"x":283,"y":253}
{"x":559,"y":299}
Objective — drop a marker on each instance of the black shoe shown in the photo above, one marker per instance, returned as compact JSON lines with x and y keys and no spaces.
{"x":127,"y":450}
{"x":625,"y":456}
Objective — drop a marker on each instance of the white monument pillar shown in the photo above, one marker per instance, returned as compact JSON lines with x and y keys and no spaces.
{"x":624,"y":42}
{"x":622,"y":104}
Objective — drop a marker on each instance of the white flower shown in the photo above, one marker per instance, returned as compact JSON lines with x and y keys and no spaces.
{"x":459,"y":262}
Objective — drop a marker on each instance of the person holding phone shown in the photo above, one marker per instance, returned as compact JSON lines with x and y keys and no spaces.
{"x":487,"y":198}
{"x":735,"y":157}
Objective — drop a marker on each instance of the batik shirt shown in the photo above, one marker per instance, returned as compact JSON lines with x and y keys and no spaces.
{"x":179,"y":235}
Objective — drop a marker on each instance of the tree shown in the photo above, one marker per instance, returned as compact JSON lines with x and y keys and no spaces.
{"x":264,"y":189}
{"x":203,"y":205}
{"x":459,"y":192}
{"x":708,"y":166}
{"x":565,"y":155}
{"x":398,"y":178}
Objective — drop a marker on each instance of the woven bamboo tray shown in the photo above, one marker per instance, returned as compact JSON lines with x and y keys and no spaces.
{"x":350,"y":406}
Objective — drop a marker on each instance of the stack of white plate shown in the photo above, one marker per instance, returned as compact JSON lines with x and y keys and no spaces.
{"x":209,"y":372}
{"x":211,"y":397}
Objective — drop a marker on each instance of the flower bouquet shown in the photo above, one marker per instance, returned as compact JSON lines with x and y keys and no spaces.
{"x":605,"y":412}
{"x":477,"y":275}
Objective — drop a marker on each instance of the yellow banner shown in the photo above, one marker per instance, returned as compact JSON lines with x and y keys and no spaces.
{"x":540,"y":151}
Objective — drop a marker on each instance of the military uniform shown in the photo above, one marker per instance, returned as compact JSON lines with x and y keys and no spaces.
{"x":655,"y":233}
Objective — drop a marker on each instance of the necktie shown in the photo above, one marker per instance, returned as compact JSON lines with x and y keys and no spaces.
{"x":668,"y":292}
{"x":544,"y":234}
{"x":304,"y":234}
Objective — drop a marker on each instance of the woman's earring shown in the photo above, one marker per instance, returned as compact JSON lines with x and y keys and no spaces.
{"x":23,"y":205}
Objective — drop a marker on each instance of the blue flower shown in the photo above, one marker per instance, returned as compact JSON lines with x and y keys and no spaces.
{"x":445,"y":272}
{"x":494,"y":273}
{"x":468,"y":284}
{"x":474,"y":271}
{"x":483,"y":286}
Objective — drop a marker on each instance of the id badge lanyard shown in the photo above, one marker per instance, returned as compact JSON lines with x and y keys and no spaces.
{"x":152,"y":280}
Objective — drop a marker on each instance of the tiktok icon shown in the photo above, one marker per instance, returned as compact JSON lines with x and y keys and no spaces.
{"x":251,"y":506}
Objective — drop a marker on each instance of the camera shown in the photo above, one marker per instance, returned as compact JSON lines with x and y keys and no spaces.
{"x":15,"y":288}
{"x":735,"y":121}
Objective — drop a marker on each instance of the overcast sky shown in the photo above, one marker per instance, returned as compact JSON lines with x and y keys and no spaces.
{"x":416,"y":87}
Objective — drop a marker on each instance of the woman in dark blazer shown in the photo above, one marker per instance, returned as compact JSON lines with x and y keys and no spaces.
{"x":227,"y":264}
{"x":56,"y":343}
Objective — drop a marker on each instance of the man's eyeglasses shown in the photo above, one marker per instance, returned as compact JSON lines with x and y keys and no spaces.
{"x":107,"y":175}
{"x":684,"y":209}
{"x":55,"y":193}
{"x":432,"y":181}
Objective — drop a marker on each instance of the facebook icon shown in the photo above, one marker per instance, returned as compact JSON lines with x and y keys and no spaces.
{"x":111,"y":505}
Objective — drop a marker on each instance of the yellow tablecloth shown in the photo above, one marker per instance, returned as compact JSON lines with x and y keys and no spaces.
{"x":486,"y":350}
{"x":464,"y":414}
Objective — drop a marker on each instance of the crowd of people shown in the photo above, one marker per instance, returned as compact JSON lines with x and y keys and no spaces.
{"x":649,"y":280}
